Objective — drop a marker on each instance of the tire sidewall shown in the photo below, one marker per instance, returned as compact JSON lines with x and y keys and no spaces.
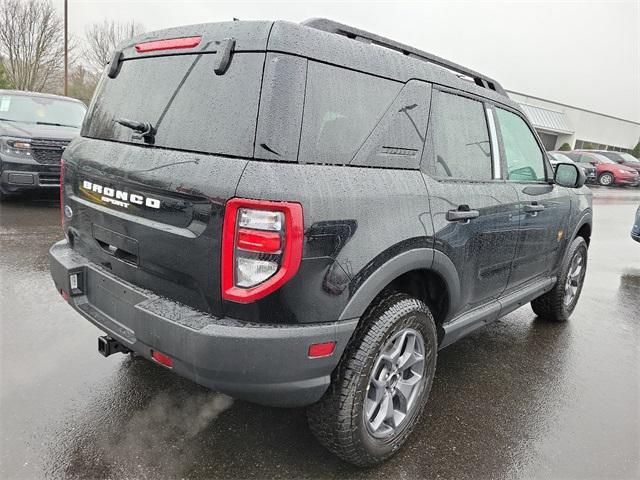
{"x":577,"y":245}
{"x":421,"y":321}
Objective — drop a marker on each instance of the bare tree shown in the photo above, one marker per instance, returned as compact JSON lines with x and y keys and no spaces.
{"x":102,"y":38}
{"x":82,"y":83}
{"x":31,"y":47}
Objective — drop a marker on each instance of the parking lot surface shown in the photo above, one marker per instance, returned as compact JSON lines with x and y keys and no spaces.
{"x":520,"y":398}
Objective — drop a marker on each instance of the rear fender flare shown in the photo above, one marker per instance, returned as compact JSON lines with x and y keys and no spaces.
{"x":414,"y":259}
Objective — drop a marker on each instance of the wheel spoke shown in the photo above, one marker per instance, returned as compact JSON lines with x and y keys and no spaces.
{"x":398,"y":347}
{"x":371,"y":404}
{"x":387,"y":402}
{"x":389,"y":417}
{"x":576,"y":272}
{"x":404,"y":389}
{"x":409,"y":361}
{"x":568,"y":297}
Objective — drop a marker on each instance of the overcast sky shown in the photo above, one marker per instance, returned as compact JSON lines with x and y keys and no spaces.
{"x":581,"y":53}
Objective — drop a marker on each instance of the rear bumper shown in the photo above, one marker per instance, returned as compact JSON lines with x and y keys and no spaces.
{"x":266,"y":364}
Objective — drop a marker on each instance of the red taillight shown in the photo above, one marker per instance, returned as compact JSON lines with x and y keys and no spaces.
{"x":62,"y":193}
{"x":169,"y":44}
{"x":319,"y":350}
{"x":162,"y":359}
{"x":261,"y":247}
{"x":258,"y":241}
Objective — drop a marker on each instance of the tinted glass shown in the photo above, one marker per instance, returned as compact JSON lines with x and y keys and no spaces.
{"x":341,"y":109}
{"x":461,"y":138}
{"x":619,"y":156}
{"x":601,"y":158}
{"x":191,"y":107}
{"x":576,"y":157}
{"x":525,"y":160}
{"x":560,"y":157}
{"x":41,"y":110}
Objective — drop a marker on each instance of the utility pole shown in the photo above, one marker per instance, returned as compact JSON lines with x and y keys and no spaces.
{"x":66,"y":48}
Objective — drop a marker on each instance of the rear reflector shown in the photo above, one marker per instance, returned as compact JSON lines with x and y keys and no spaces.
{"x":162,"y":359}
{"x":319,"y":350}
{"x":259,"y":241}
{"x":170,"y":44}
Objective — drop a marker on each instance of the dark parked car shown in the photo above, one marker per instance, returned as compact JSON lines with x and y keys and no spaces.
{"x":589,"y":171}
{"x":304,"y":214}
{"x":608,"y":172}
{"x":635,"y":231}
{"x":35,"y":128}
{"x":621,"y":158}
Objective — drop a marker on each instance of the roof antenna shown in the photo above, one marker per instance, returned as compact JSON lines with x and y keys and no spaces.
{"x":236,"y":19}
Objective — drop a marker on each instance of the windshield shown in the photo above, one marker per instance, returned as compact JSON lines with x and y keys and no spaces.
{"x":628,"y":157}
{"x":41,"y":110}
{"x":602,"y":158}
{"x":560,"y":157}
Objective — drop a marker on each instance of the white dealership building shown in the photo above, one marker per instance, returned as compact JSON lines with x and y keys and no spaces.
{"x":558,"y":123}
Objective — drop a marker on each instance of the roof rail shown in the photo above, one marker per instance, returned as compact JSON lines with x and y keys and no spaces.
{"x":366,"y":37}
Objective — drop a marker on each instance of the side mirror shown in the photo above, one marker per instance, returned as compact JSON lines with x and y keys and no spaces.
{"x":569,"y":175}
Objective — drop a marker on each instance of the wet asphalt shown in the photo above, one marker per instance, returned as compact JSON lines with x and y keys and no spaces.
{"x":520,"y":398}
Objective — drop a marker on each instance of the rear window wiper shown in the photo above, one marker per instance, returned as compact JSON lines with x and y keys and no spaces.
{"x":145,"y":129}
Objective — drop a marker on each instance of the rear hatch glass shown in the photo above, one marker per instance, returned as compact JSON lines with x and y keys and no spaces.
{"x":190,"y":106}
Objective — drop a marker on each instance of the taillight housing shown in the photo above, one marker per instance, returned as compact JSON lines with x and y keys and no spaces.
{"x":261,"y":247}
{"x":62,"y":193}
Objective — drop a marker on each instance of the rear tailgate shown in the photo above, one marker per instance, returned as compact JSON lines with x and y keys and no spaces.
{"x":151,"y":209}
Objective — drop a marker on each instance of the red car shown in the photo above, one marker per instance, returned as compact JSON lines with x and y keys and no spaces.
{"x":608,"y":172}
{"x":622,"y":158}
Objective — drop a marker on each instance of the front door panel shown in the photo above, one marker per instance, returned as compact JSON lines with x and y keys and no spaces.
{"x":542,"y":231}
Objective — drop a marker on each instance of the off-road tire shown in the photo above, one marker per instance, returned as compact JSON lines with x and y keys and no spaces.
{"x":551,"y":305}
{"x":337,"y":420}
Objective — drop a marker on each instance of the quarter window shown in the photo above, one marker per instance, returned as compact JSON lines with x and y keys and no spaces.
{"x":341,"y":109}
{"x":525,"y":160}
{"x":461,"y":139}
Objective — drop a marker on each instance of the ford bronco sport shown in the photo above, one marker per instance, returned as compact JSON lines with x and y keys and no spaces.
{"x":304,"y":214}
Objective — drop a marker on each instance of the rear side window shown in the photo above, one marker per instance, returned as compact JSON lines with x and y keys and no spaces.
{"x":191,"y":107}
{"x":341,"y":109}
{"x":461,"y":138}
{"x":525,"y":160}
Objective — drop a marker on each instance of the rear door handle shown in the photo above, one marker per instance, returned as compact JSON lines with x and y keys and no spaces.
{"x":533,"y":208}
{"x":462,"y":214}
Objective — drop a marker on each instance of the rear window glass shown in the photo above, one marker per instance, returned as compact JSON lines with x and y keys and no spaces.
{"x":190,"y":106}
{"x":341,"y":109}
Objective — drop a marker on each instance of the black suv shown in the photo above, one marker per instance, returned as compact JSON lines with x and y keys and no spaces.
{"x":35,"y":128}
{"x":304,"y":214}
